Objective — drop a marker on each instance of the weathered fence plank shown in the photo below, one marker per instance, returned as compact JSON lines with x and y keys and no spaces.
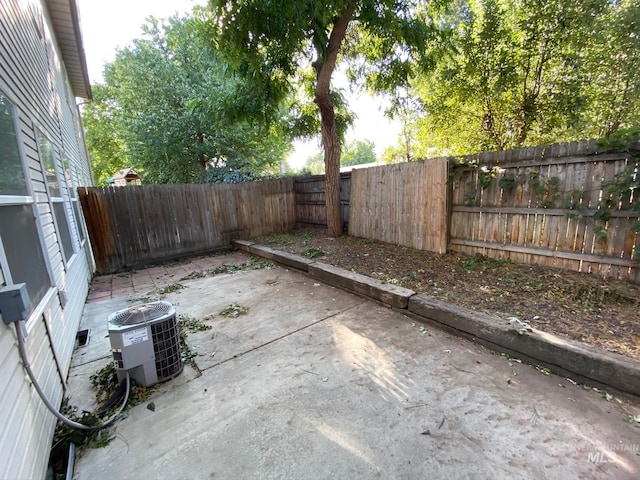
{"x":310,"y":199}
{"x":523,"y":213}
{"x":404,"y":204}
{"x":137,"y":225}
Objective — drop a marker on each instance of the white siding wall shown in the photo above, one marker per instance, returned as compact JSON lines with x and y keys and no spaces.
{"x":33,"y":78}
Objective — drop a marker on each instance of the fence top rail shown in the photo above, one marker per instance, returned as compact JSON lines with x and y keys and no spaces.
{"x":574,"y":152}
{"x":531,"y":162}
{"x":557,"y":150}
{"x":284,"y":182}
{"x":319,"y":178}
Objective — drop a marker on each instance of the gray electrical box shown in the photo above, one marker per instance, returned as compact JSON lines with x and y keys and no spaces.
{"x":14,"y":303}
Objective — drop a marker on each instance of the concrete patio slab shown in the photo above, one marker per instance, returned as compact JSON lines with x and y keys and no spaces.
{"x":314,"y":382}
{"x":560,"y":354}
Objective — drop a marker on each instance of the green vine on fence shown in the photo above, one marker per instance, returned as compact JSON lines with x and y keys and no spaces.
{"x":624,"y":190}
{"x":457,"y":167}
{"x":573,"y":204}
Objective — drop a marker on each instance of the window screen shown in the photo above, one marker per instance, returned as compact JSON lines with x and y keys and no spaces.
{"x":25,"y":262}
{"x":46,"y":155}
{"x":23,"y":250}
{"x":72,"y":179}
{"x":54,"y":181}
{"x":12,"y":181}
{"x":78,"y":214}
{"x":65,"y":236}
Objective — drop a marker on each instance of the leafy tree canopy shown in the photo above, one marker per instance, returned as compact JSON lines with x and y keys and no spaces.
{"x":358,"y":152}
{"x":529,"y":72}
{"x":314,"y":165}
{"x":171,"y":107}
{"x":291,"y":44}
{"x":104,"y":144}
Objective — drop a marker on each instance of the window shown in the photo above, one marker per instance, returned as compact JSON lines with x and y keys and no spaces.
{"x":55,"y":183}
{"x":21,"y":256}
{"x":23,"y":251}
{"x":72,"y":183}
{"x":12,"y":181}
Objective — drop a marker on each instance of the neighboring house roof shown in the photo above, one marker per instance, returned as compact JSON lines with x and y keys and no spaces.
{"x":359,"y":165}
{"x":66,"y":24}
{"x":126,"y":173}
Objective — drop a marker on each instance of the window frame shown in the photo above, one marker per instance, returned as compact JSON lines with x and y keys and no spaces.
{"x":29,"y":199}
{"x":57,"y":199}
{"x":71,"y":176}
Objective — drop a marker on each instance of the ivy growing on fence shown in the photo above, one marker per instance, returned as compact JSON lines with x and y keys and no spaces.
{"x":620,"y":193}
{"x":624,"y":190}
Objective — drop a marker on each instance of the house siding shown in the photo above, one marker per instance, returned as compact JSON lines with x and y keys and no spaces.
{"x":34,"y":79}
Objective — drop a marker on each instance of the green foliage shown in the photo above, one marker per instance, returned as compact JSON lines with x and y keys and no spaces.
{"x":525,"y":73}
{"x":573,"y":204}
{"x":105,"y":382}
{"x":314,"y":165}
{"x":170,"y":107}
{"x":612,"y":58}
{"x":234,"y":310}
{"x":623,"y":140}
{"x":355,"y":153}
{"x":548,"y":194}
{"x":485,"y":177}
{"x":292,"y":44}
{"x":483,"y":263}
{"x":64,"y":434}
{"x":189,"y":324}
{"x":507,"y":182}
{"x":358,"y":153}
{"x":313,"y":253}
{"x":622,"y":191}
{"x":385,"y":42}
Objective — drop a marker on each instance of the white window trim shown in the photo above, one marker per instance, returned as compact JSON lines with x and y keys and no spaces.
{"x":15,"y":200}
{"x":72,"y":195}
{"x":55,"y":152}
{"x":6,"y":272}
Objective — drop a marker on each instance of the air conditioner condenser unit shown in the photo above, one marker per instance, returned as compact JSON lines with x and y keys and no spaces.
{"x":145,"y":341}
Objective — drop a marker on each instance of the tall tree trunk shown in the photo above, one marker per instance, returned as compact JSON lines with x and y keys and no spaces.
{"x":330,"y":138}
{"x":332,"y":152}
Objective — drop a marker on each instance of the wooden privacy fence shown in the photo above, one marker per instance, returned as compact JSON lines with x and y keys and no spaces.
{"x":137,"y":225}
{"x":537,"y":206}
{"x":310,"y":200}
{"x":404,"y":204}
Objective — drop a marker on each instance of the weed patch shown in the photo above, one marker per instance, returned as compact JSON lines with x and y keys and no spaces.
{"x":234,"y":310}
{"x":313,"y":253}
{"x":174,"y":287}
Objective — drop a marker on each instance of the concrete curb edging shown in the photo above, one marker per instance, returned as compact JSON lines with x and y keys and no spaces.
{"x":392,"y":295}
{"x":601,"y":366}
{"x":605,"y":367}
{"x":288,"y":259}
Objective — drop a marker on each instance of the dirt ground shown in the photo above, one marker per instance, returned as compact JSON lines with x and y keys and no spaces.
{"x":587,"y":308}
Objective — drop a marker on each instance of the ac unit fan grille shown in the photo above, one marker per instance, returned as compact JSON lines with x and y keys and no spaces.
{"x":166,"y":346}
{"x":140,"y":314}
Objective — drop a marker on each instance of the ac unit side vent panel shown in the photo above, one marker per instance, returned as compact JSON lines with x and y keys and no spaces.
{"x":166,"y":345}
